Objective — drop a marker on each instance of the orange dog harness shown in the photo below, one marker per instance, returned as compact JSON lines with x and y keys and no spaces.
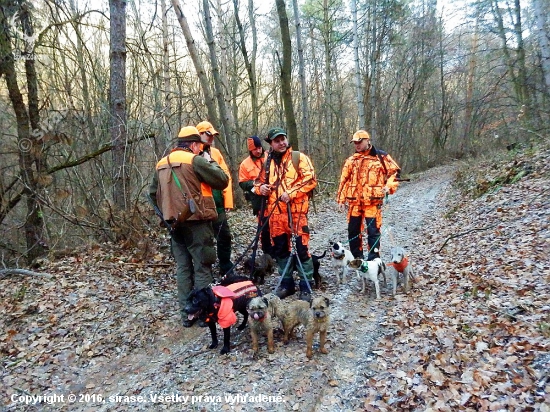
{"x":400,"y":267}
{"x":226,"y":315}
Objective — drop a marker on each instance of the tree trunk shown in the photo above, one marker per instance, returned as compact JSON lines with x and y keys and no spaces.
{"x":302,"y":72}
{"x":167,"y":111}
{"x":29,"y":134}
{"x":361,"y":121}
{"x":194,"y":54}
{"x":227,"y":124}
{"x":286,"y":75}
{"x":544,"y":44}
{"x":250,"y":63}
{"x":118,"y":102}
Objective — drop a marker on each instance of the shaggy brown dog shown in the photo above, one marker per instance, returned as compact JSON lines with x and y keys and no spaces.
{"x":315,"y":318}
{"x":261,"y":321}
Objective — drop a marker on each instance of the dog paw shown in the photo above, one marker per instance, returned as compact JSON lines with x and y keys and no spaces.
{"x":241,"y":327}
{"x":271,"y":350}
{"x":213,"y":345}
{"x":224,"y":350}
{"x":309,"y":354}
{"x":323,"y":350}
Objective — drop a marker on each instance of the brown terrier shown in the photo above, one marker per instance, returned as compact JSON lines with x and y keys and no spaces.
{"x":315,"y":318}
{"x":261,"y":321}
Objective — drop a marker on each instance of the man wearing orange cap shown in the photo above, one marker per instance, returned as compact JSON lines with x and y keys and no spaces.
{"x":224,"y":199}
{"x":249,"y":171}
{"x":368,"y":175}
{"x":184,"y":182}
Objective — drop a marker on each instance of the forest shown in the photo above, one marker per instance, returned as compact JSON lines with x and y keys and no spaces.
{"x":94,"y":92}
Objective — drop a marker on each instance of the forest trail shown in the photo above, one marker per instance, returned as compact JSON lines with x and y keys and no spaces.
{"x":108,"y":327}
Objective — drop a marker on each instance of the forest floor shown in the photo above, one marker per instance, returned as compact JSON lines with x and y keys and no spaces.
{"x":103,"y":333}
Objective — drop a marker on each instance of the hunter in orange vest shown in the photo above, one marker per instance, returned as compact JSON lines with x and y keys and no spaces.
{"x":180,"y":178}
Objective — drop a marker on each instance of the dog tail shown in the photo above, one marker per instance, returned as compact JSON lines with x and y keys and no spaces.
{"x":322,"y":256}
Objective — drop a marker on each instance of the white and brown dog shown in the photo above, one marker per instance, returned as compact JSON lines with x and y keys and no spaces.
{"x":340,"y":261}
{"x":369,"y":269}
{"x":400,"y":264}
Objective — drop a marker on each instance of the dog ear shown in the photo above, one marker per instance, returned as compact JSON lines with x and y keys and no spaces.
{"x":266,"y":301}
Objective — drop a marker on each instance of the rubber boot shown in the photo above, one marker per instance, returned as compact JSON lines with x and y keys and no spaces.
{"x":305,"y":291}
{"x":287,"y":286}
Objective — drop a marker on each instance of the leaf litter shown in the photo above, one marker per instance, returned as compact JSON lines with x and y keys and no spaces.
{"x":472,"y":335}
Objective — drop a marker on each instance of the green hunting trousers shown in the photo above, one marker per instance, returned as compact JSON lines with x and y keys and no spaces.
{"x":194,"y":252}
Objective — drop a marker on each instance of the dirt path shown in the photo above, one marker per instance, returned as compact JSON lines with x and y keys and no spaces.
{"x":176,"y":371}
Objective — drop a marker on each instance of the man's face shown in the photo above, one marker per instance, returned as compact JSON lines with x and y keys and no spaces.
{"x":362,"y":145}
{"x":207,"y":138}
{"x":196,"y":147}
{"x":257,"y":152}
{"x":279,"y":144}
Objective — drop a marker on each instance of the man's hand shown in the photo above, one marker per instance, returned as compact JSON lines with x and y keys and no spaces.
{"x":207,"y":156}
{"x":265,"y":190}
{"x":342,"y":207}
{"x":285,"y":197}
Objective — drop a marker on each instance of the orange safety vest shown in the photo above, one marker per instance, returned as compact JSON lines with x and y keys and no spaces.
{"x":228,"y":191}
{"x":170,"y":197}
{"x":227,"y":294}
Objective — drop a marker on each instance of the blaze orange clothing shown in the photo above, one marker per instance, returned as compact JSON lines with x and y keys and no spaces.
{"x":226,"y":314}
{"x":168,"y":195}
{"x":228,"y":191}
{"x":400,"y":267}
{"x":250,"y":168}
{"x":363,"y":180}
{"x":283,"y":177}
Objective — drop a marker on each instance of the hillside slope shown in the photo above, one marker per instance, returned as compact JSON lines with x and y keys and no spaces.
{"x":473,"y":333}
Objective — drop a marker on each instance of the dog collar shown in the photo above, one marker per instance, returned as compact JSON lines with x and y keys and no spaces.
{"x":338,"y":257}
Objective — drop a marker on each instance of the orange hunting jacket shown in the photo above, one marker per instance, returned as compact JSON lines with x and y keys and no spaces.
{"x":296,"y":183}
{"x":363,"y":179}
{"x":250,"y":168}
{"x":228,"y":191}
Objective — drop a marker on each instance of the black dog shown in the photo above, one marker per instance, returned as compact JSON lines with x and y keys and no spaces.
{"x":316,"y":265}
{"x":219,"y":304}
{"x":264,"y":265}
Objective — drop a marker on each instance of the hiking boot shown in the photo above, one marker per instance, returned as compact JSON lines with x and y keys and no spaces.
{"x":187,"y":323}
{"x":283,"y":293}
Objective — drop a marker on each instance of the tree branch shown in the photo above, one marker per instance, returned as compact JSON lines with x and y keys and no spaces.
{"x":25,"y":272}
{"x":462,"y":234}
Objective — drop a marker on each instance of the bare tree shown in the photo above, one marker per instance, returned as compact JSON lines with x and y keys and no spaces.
{"x":286,"y":74}
{"x":32,"y":166}
{"x":117,"y":99}
{"x":249,"y":61}
{"x":543,"y":36}
{"x":302,"y":74}
{"x":358,"y":84}
{"x":199,"y":68}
